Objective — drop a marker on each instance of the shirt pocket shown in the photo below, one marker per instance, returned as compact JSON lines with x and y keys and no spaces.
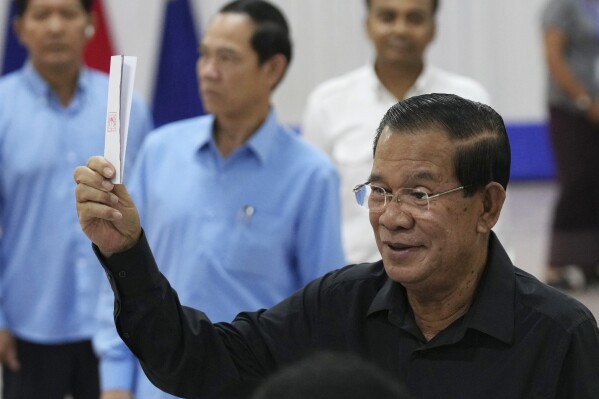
{"x":260,"y":242}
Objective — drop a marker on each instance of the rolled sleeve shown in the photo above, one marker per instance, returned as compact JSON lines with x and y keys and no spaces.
{"x":118,"y":373}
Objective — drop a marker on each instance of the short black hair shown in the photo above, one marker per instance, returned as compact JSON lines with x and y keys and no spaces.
{"x":21,"y":6}
{"x":478,"y":132}
{"x":272,"y":34}
{"x":435,"y":5}
{"x":331,"y":375}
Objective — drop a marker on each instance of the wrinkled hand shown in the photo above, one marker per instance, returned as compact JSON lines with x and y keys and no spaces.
{"x":116,"y":394}
{"x":107,"y":214}
{"x":8,"y":351}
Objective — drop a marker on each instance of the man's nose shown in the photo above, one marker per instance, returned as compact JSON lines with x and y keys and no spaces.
{"x":208,"y":69}
{"x":400,"y":26}
{"x":55,"y":23}
{"x":396,"y":216}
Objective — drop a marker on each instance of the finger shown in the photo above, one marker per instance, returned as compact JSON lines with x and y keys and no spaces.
{"x":91,"y":211}
{"x":85,"y":193}
{"x":101,"y":165}
{"x":80,"y":173}
{"x":86,"y":176}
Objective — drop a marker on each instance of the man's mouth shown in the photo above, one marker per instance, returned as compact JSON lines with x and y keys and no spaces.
{"x":399,"y":246}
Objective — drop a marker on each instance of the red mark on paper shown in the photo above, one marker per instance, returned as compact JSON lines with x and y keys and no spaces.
{"x":111,"y":123}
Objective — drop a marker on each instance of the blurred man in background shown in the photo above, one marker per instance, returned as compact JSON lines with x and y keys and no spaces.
{"x":52,"y":117}
{"x":342,"y":113}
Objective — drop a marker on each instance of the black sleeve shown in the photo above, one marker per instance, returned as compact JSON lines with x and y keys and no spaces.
{"x":182,"y":352}
{"x":179,"y":349}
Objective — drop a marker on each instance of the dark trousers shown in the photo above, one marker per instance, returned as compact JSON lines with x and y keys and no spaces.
{"x":52,"y":372}
{"x":575,"y":229}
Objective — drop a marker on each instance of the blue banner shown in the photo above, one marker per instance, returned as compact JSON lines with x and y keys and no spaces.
{"x":176,"y":93}
{"x":14,"y":53}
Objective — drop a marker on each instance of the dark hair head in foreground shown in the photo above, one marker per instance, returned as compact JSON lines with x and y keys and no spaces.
{"x":331,"y":375}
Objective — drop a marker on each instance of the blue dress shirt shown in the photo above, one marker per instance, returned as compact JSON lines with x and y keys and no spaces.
{"x":49,"y":279}
{"x":231,"y":234}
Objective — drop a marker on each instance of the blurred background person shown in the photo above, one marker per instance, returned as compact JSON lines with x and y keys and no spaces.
{"x":52,"y":117}
{"x":241,"y":211}
{"x":342,"y":114}
{"x":571,"y":37}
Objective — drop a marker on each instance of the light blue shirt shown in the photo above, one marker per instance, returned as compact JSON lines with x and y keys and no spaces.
{"x":49,"y":276}
{"x":231,"y":234}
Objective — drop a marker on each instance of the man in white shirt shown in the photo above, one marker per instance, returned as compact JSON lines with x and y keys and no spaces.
{"x":342,"y":114}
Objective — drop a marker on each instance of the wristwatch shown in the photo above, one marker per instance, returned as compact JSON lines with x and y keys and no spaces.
{"x":583,"y":102}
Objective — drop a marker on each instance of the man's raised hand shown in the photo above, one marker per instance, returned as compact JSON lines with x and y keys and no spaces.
{"x":107,"y":214}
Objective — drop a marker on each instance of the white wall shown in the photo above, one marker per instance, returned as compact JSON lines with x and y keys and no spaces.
{"x":497,"y":42}
{"x":3,"y":12}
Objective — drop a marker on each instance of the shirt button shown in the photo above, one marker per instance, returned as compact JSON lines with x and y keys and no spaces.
{"x":122,"y":274}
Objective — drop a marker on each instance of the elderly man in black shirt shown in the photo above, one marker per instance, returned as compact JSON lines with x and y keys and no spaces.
{"x":445,"y":310}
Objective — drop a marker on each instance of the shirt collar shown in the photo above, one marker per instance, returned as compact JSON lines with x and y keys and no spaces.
{"x":381,"y":91}
{"x":204,"y":136}
{"x":259,"y":143}
{"x":422,"y":84}
{"x":419,"y":86}
{"x":391,"y":296}
{"x":491,"y":312}
{"x":262,"y":140}
{"x":41,"y":87}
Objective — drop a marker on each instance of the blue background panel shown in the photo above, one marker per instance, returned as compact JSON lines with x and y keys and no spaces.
{"x":532,"y":158}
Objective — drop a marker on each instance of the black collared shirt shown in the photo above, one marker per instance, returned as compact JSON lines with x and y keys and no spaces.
{"x":519,"y":339}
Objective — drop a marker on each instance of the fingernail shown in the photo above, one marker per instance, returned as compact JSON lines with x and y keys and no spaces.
{"x":117,"y":215}
{"x":107,"y":184}
{"x":114,"y":199}
{"x":108,"y":172}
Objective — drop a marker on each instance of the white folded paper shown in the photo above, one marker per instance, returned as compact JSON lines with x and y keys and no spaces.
{"x":120,"y":94}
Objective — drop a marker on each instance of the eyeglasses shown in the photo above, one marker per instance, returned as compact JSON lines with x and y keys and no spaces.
{"x":376,"y":198}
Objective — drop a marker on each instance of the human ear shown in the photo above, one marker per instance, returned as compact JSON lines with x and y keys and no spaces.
{"x":275,"y":68}
{"x":89,"y":31}
{"x":90,"y":28}
{"x":493,"y":199}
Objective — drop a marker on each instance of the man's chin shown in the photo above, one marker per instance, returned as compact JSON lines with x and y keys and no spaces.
{"x":401,"y":273}
{"x":57,"y":62}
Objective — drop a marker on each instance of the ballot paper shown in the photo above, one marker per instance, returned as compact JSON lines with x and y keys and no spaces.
{"x":120,"y":93}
